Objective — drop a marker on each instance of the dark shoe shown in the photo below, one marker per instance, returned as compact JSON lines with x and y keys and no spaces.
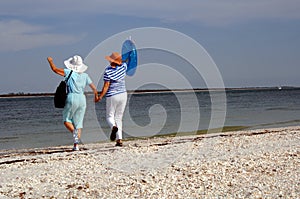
{"x":113,"y":134}
{"x":119,"y":143}
{"x":75,"y":148}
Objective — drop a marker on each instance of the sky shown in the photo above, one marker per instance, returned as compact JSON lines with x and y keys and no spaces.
{"x":253,"y":43}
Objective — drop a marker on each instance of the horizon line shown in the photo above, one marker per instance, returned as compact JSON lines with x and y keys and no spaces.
{"x":21,"y":94}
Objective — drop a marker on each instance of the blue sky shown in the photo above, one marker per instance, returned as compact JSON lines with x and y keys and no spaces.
{"x":253,"y":43}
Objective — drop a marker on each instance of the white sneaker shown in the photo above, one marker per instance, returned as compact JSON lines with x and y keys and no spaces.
{"x":76,"y":148}
{"x":75,"y":136}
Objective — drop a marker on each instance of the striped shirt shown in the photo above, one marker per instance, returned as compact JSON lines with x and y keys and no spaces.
{"x":116,"y":77}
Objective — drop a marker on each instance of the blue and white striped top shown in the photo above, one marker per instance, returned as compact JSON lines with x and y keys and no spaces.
{"x":116,"y":77}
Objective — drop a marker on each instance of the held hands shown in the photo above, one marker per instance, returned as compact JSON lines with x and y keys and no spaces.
{"x":97,"y":98}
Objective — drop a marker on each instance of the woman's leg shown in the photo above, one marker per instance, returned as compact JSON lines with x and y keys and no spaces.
{"x":110,"y":116}
{"x":76,"y":134}
{"x":69,"y":126}
{"x":110,"y":111}
{"x":68,"y":113}
{"x":120,"y":107}
{"x":80,"y":107}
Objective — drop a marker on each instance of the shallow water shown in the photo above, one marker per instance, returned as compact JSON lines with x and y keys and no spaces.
{"x":31,"y":122}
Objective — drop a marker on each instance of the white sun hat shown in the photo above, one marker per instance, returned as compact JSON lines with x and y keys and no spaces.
{"x":76,"y":64}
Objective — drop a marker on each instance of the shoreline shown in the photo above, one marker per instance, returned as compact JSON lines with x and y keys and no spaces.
{"x":198,"y":132}
{"x":262,"y":163}
{"x":225,"y":129}
{"x":177,"y":137}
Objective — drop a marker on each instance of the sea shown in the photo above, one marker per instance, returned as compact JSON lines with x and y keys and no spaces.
{"x":34,"y":122}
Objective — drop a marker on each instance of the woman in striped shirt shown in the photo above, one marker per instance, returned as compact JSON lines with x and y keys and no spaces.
{"x":116,"y":95}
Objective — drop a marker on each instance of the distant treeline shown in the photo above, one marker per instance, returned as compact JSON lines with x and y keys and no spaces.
{"x":21,"y":94}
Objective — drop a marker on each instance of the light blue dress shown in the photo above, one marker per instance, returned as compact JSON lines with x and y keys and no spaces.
{"x":75,"y":107}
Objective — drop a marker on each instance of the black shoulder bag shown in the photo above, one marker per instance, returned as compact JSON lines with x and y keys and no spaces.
{"x":61,"y":93}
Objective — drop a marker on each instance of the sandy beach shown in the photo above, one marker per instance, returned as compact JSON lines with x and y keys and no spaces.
{"x":243,"y":164}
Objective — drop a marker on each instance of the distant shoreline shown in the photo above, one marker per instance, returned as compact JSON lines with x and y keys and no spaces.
{"x":10,"y":95}
{"x":145,"y":91}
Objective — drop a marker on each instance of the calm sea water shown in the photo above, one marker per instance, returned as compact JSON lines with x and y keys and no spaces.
{"x":33,"y":122}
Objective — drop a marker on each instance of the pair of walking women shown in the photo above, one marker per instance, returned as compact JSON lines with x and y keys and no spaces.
{"x":113,"y":89}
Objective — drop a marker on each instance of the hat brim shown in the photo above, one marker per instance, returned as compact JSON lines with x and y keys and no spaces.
{"x":108,"y":58}
{"x":77,"y":68}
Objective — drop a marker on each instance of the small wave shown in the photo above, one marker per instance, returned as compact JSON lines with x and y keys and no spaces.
{"x":278,"y":109}
{"x":278,"y":124}
{"x":5,"y":139}
{"x":283,"y":109}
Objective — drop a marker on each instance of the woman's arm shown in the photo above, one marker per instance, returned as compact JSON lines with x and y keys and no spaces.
{"x":59,"y":71}
{"x":93,"y":87}
{"x":104,"y":90}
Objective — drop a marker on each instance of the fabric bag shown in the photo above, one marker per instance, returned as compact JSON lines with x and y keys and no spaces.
{"x":60,"y":95}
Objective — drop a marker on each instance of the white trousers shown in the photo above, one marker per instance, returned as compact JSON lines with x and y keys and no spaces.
{"x":115,"y":106}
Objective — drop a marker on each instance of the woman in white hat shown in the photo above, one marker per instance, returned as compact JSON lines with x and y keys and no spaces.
{"x":74,"y":110}
{"x":116,"y":95}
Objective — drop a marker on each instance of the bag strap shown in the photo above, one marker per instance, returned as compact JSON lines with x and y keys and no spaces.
{"x":69,"y":76}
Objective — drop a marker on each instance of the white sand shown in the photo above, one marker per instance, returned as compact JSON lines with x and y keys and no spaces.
{"x":245,"y":164}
